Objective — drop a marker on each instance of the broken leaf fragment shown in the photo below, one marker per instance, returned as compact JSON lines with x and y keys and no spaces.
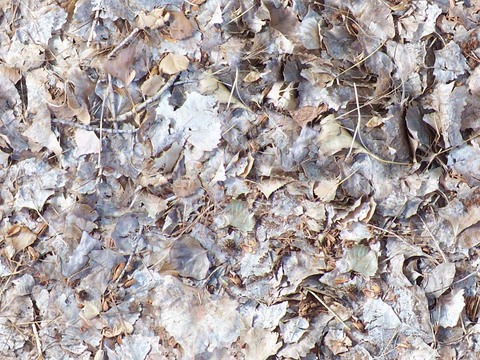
{"x":236,"y":215}
{"x":362,"y":260}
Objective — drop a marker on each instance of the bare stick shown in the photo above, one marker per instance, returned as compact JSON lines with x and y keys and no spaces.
{"x":123,"y":43}
{"x":140,"y":107}
{"x":92,"y":128}
{"x":124,"y":116}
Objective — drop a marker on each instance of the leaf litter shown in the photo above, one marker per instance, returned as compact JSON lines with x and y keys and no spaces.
{"x":239,"y":179}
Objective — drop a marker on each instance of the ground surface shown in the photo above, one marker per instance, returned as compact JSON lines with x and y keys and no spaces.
{"x":239,"y":179}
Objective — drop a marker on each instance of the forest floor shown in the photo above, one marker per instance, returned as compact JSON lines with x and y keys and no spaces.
{"x":239,"y":179}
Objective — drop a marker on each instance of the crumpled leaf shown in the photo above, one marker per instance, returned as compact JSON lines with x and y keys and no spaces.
{"x":20,"y":237}
{"x":337,"y":341}
{"x":362,"y":260}
{"x":303,"y":346}
{"x":154,"y":19}
{"x":41,"y":23}
{"x":449,"y":63}
{"x":448,"y":104}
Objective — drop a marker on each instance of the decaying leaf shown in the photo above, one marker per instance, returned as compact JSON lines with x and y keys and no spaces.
{"x":362,"y":259}
{"x":236,"y":214}
{"x":260,"y":344}
{"x":188,"y":258}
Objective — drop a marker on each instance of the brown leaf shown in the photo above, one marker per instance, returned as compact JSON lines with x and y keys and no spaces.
{"x":181,"y":27}
{"x":121,"y":66}
{"x":306,"y":114}
{"x":173,"y":64}
{"x":20,"y":237}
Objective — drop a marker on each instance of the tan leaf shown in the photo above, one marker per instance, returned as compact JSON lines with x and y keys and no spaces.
{"x":20,"y":237}
{"x":181,"y":27}
{"x":173,"y":63}
{"x":121,"y":66}
{"x":151,"y":86}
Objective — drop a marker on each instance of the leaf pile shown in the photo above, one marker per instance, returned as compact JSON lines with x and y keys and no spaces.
{"x":239,"y":179}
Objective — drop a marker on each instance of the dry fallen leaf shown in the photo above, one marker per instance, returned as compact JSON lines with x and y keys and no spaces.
{"x":20,"y":237}
{"x":173,"y":64}
{"x":362,"y":260}
{"x":180,"y":27}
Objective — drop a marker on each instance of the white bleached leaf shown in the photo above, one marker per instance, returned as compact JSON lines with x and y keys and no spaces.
{"x":260,"y":344}
{"x":379,"y":315}
{"x":197,"y":320}
{"x":293,"y":329}
{"x":87,"y":142}
{"x":38,"y":182}
{"x":198,"y":121}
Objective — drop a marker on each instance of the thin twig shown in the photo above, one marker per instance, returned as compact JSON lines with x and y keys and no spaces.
{"x":359,"y":120}
{"x":140,"y":107}
{"x":92,"y":128}
{"x":124,"y":116}
{"x":135,"y":243}
{"x":328,"y":308}
{"x":37,"y":340}
{"x":123,"y":43}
